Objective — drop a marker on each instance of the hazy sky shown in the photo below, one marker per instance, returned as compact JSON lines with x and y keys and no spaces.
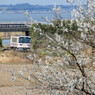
{"x":34,"y":2}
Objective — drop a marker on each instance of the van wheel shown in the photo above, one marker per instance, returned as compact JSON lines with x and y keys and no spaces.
{"x":24,"y":50}
{"x":14,"y":48}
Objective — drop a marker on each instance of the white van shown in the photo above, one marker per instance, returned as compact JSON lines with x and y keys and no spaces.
{"x":20,"y":42}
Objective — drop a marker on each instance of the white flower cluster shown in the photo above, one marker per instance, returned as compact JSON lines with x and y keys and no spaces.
{"x":56,"y":12}
{"x":70,"y":1}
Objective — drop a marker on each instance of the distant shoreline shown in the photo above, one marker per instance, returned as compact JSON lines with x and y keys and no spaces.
{"x":26,"y":6}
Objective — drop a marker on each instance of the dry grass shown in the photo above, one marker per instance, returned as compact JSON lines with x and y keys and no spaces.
{"x":14,"y":57}
{"x":9,"y":87}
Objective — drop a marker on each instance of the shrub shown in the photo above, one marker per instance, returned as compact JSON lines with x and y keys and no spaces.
{"x":0,"y":42}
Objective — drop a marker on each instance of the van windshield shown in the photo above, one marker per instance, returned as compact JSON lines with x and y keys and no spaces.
{"x":24,"y":40}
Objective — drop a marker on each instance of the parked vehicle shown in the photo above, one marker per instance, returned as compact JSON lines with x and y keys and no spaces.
{"x":20,"y":42}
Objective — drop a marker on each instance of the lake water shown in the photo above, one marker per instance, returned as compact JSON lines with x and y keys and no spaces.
{"x":18,"y":17}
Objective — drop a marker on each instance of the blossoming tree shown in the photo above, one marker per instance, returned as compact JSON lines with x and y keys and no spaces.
{"x":72,"y":38}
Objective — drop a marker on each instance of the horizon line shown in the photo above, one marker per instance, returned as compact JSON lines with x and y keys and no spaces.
{"x":36,"y":4}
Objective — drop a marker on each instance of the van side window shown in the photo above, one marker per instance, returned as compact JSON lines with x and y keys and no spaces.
{"x":14,"y":39}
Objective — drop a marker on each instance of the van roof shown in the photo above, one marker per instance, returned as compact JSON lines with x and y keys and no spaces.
{"x":19,"y":36}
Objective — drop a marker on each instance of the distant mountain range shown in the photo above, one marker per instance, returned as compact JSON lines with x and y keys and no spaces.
{"x":27,"y":6}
